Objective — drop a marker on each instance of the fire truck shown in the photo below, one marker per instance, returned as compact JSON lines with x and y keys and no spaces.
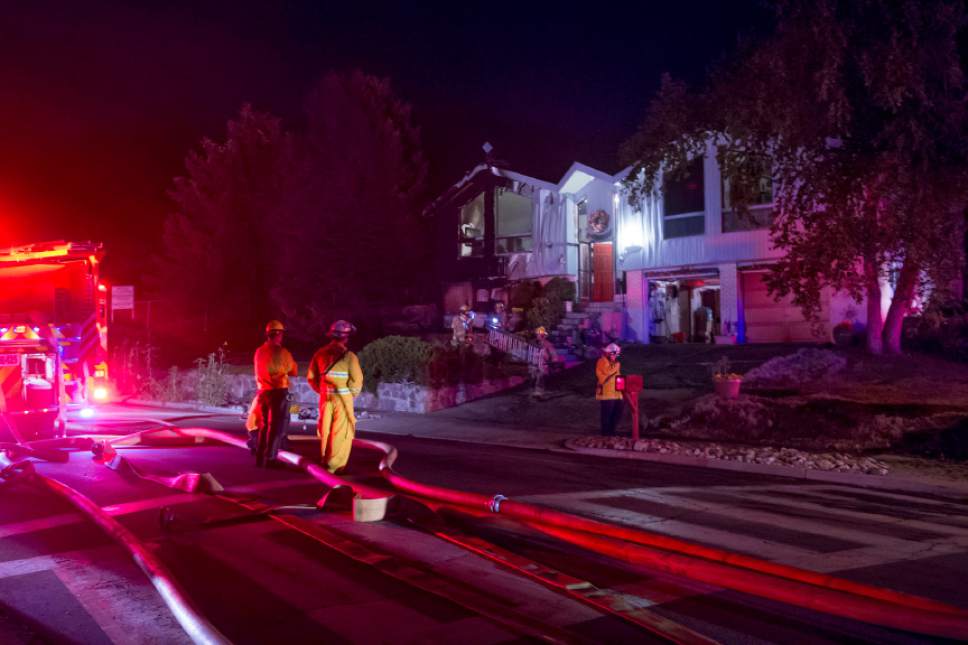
{"x":53,"y":335}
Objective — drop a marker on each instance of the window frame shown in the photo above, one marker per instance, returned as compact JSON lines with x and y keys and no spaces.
{"x":462,"y":240}
{"x":699,"y":162}
{"x":497,"y":215}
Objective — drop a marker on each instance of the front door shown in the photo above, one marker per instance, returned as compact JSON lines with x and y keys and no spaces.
{"x":603,"y":272}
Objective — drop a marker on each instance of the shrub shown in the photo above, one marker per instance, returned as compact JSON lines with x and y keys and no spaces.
{"x":166,"y":390}
{"x":545,"y":312}
{"x":396,"y":359}
{"x":211,"y":387}
{"x":560,"y":289}
{"x":523,"y":293}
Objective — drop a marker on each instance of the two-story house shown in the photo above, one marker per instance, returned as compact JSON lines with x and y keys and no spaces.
{"x":682,"y":265}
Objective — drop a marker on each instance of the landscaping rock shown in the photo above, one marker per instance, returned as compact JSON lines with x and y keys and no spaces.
{"x":797,"y":369}
{"x":841,"y":462}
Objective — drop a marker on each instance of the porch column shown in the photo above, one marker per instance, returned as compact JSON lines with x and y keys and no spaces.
{"x":730,"y":301}
{"x":637,"y":307}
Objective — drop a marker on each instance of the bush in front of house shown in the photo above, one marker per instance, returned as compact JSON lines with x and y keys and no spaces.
{"x":523,"y":293}
{"x":396,"y":359}
{"x":560,"y":290}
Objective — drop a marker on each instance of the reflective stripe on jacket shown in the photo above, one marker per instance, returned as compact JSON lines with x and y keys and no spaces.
{"x":344,"y":377}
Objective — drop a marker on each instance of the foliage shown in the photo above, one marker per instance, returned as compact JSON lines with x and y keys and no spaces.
{"x":168,"y":389}
{"x":351,"y":201}
{"x":396,"y":359}
{"x":523,"y":293}
{"x":721,"y":370}
{"x":860,"y":110}
{"x":274,"y":223}
{"x":132,"y":364}
{"x":560,"y":289}
{"x":211,"y":384}
{"x":942,"y":327}
{"x":545,"y":312}
{"x":215,"y":263}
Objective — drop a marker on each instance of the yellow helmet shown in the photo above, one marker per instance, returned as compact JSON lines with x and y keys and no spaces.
{"x":274,"y":325}
{"x":540,"y":330}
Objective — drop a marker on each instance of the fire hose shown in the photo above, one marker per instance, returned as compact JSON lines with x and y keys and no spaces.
{"x":198,"y":628}
{"x":791,"y":585}
{"x":787,"y":584}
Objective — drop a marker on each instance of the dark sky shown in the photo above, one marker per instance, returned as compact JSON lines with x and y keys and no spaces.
{"x":99,"y":102}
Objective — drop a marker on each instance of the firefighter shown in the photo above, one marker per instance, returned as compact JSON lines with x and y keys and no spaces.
{"x":335,"y":374}
{"x":607,"y":371}
{"x":269,"y":413}
{"x":547,"y":356}
{"x":460,"y":326}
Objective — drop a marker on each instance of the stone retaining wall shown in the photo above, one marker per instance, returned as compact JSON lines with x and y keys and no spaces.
{"x":410,"y":397}
{"x":390,"y":397}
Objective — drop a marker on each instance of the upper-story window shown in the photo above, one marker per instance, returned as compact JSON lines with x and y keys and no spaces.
{"x":758,"y":196}
{"x":471,"y":233}
{"x":514,"y":222}
{"x":684,"y":202}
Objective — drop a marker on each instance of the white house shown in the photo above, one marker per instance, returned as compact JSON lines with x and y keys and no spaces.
{"x":681,"y":266}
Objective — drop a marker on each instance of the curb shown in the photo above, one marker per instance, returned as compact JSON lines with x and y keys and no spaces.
{"x":184,"y":406}
{"x":881,"y":482}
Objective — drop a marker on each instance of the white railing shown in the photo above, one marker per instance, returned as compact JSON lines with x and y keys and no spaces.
{"x":514,"y":345}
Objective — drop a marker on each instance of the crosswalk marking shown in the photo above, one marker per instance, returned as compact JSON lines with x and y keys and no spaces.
{"x":869,"y":535}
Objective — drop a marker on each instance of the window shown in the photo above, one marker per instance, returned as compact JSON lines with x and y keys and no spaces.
{"x":759,"y":202}
{"x":514,"y":222}
{"x":684,"y":201}
{"x":471,"y":233}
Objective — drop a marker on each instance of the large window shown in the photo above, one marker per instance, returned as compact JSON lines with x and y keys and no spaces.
{"x":514,"y":222}
{"x":758,"y":196}
{"x":684,"y":201}
{"x":471,"y":234}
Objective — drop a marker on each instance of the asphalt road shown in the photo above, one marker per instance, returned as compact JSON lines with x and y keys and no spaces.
{"x":60,"y":579}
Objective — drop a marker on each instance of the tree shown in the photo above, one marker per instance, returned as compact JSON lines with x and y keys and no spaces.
{"x":355,"y":239}
{"x":216,"y":261}
{"x":859,"y":109}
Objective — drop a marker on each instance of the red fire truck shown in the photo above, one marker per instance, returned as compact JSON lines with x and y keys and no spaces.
{"x":53,"y":334}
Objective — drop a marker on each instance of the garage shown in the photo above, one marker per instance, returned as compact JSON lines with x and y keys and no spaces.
{"x":769,"y":321}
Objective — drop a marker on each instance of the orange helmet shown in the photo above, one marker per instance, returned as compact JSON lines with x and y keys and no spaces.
{"x":274,"y":325}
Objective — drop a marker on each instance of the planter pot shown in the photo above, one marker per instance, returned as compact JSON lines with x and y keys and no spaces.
{"x":726,"y":340}
{"x":727,"y":388}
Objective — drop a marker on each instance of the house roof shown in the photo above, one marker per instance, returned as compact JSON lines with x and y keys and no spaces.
{"x":495,"y":170}
{"x":576,"y":178}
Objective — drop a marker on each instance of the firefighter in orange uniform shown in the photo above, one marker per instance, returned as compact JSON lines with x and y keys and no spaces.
{"x":335,"y":374}
{"x":608,"y":371}
{"x":270,"y":410}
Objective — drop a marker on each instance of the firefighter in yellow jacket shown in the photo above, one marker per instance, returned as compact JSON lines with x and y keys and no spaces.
{"x":335,"y":374}
{"x":269,"y":414}
{"x":608,"y":372}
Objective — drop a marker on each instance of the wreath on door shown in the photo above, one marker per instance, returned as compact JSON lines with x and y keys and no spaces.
{"x":599,"y":224}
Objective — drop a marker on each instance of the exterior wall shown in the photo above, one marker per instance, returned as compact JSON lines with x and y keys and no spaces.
{"x":637,"y":307}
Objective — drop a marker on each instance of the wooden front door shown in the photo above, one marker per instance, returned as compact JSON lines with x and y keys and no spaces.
{"x":603,"y":272}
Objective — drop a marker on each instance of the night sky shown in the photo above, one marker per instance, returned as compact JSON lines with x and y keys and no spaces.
{"x":99,"y":102}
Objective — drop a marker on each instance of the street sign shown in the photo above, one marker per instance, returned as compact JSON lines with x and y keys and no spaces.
{"x":122,"y":297}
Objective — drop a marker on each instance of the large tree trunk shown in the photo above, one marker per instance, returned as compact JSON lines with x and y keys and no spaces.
{"x":907,"y":282}
{"x":875,"y":321}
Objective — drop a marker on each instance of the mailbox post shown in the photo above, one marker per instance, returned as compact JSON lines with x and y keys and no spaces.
{"x":633,"y":386}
